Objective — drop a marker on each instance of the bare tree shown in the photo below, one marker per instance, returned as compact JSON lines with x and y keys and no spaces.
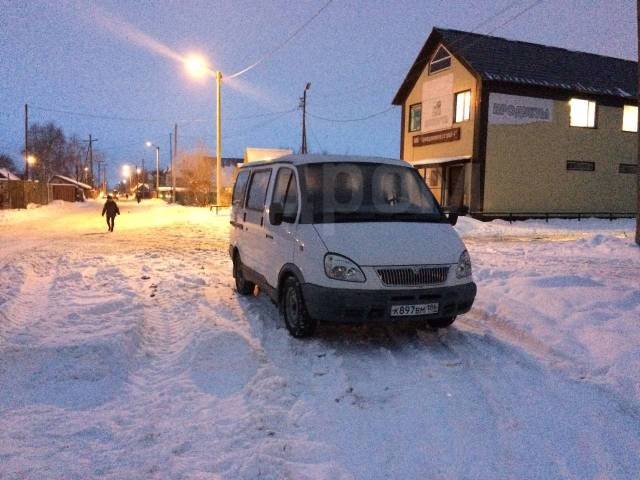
{"x":74,"y":153}
{"x":195,"y":171}
{"x":7,"y":162}
{"x":47,"y":144}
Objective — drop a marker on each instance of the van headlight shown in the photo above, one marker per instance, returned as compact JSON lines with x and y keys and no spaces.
{"x":463,"y":269}
{"x":341,"y":268}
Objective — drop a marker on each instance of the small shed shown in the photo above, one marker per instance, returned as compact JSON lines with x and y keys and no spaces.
{"x":68,"y":189}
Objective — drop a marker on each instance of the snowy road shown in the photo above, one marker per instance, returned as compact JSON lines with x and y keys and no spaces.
{"x":128,"y":355}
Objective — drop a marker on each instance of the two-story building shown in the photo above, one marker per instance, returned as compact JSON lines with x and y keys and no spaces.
{"x":499,"y":127}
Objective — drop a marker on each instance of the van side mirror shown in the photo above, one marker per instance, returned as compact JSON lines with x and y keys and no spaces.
{"x":276,"y":213}
{"x":452,"y":217}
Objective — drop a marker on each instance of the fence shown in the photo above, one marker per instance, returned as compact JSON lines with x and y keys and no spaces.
{"x":513,"y":216}
{"x":18,"y":194}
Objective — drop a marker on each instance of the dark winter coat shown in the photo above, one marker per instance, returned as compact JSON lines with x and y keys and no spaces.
{"x":110,"y":208}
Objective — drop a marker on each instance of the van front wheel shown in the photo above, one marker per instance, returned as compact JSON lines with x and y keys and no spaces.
{"x":293,"y":310}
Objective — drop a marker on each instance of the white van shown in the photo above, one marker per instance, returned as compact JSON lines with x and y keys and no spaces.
{"x":347,"y":239}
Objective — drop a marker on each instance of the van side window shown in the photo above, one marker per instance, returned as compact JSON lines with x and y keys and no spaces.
{"x":258,"y":189}
{"x":285,"y":193}
{"x":239,"y":188}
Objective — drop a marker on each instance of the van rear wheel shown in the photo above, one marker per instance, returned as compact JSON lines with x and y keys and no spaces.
{"x":243,"y":286}
{"x":293,"y":310}
{"x":441,"y":322}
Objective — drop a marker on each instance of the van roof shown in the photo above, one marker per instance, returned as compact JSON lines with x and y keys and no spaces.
{"x":313,"y":158}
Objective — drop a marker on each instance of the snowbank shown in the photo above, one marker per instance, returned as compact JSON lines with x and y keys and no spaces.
{"x":129,"y":355}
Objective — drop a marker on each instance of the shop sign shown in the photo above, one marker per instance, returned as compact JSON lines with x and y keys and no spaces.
{"x":517,"y":110}
{"x":441,"y":136}
{"x":437,"y":103}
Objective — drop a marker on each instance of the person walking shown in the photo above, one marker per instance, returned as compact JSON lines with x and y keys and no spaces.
{"x":111,"y":209}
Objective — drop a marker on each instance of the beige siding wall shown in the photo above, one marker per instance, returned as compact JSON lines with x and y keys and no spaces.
{"x":526,"y":165}
{"x":462,"y":80}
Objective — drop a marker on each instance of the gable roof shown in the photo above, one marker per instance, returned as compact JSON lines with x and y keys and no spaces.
{"x":510,"y":61}
{"x":5,"y":174}
{"x":71,"y":181}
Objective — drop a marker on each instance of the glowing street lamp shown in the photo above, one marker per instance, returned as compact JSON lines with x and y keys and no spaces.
{"x":126,"y":174}
{"x":30,"y":161}
{"x":197,"y":67}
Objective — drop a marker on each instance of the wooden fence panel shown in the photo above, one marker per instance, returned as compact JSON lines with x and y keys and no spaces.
{"x":18,"y":194}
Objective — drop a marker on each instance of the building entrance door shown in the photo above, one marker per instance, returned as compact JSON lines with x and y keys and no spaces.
{"x":454,"y":198}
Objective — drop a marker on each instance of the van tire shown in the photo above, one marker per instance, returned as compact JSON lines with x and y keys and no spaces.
{"x":441,"y":322}
{"x":293,"y":310}
{"x":243,"y":287}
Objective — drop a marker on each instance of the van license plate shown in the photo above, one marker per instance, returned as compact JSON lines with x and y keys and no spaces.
{"x":412,"y":310}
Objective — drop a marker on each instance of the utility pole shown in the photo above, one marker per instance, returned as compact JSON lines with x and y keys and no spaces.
{"x":303,"y":105}
{"x":90,"y":153}
{"x":26,"y":141}
{"x":175,"y":156}
{"x":638,"y":135}
{"x":104,"y":178}
{"x":158,"y":171}
{"x":100,"y":170}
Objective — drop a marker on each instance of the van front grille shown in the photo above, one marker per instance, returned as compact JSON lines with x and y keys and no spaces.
{"x":413,"y":276}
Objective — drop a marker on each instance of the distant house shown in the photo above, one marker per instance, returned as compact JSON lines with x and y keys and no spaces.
{"x":252,"y":154}
{"x":499,"y":127}
{"x":68,"y":189}
{"x":7,"y":175}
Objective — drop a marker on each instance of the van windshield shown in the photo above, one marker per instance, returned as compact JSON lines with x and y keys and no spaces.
{"x":365,"y":192}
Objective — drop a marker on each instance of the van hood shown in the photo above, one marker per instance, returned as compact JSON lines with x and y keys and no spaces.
{"x":392,"y":243}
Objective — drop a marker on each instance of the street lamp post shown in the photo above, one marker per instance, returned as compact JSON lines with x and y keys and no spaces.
{"x":126,"y":174}
{"x":218,"y":136}
{"x":149,"y":144}
{"x":197,"y":67}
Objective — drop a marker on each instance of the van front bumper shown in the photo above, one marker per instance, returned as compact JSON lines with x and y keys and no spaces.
{"x":342,"y":305}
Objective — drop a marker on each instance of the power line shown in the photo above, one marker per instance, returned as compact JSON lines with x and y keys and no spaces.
{"x":101,"y":117}
{"x":282,"y":44}
{"x":503,"y":24}
{"x":149,"y":120}
{"x":260,"y":125}
{"x":348,"y":120}
{"x":313,"y":135}
{"x":473,"y":30}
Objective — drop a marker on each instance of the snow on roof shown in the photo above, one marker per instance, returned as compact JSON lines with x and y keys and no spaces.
{"x":5,"y":174}
{"x":312,"y":158}
{"x":84,"y":186}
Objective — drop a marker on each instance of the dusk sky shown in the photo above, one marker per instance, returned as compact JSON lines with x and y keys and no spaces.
{"x":114,"y":59}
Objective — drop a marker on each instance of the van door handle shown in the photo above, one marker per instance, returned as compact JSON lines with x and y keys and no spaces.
{"x":270,"y":237}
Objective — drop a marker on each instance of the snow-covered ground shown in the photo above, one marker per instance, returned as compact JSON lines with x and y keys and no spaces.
{"x":128,"y":355}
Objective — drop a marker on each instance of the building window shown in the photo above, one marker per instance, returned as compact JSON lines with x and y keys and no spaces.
{"x":463,"y":106}
{"x":581,"y":166}
{"x":630,"y":118}
{"x":440,"y":61}
{"x":415,"y":117}
{"x":628,"y":168}
{"x":583,"y":113}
